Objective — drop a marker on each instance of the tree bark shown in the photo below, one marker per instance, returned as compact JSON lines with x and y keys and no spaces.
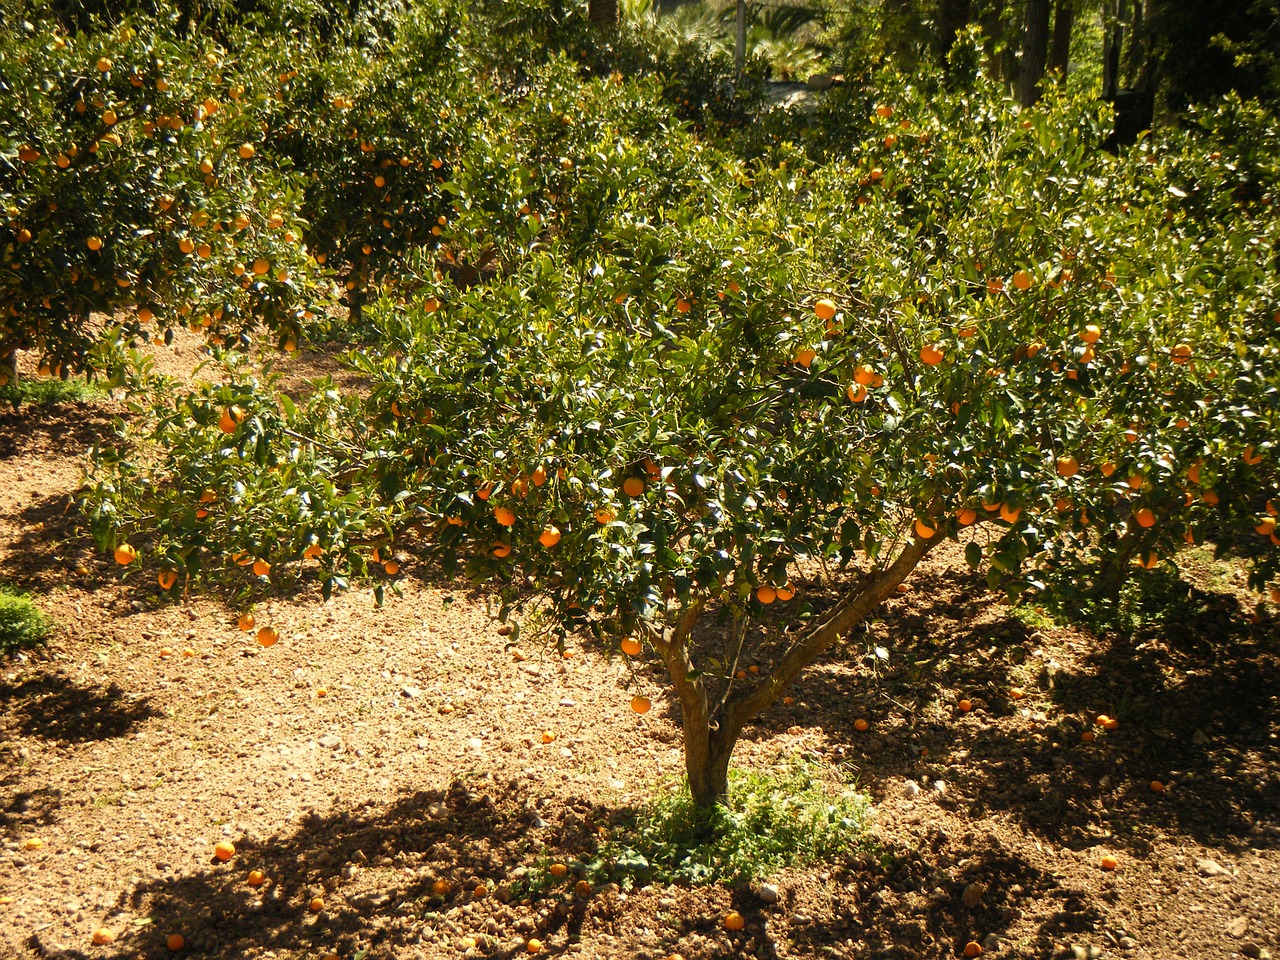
{"x":1035,"y":50}
{"x":603,"y":13}
{"x":953,"y":16}
{"x":710,"y":736}
{"x":1064,"y":16}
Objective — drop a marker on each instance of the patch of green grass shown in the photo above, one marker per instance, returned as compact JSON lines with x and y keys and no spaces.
{"x":1037,"y":618}
{"x":48,"y":391}
{"x":799,"y":813}
{"x":22,"y":623}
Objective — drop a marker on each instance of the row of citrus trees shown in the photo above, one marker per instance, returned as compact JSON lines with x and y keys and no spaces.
{"x":703,"y":365}
{"x":242,"y":178}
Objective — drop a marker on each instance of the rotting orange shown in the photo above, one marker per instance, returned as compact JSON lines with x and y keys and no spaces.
{"x":733,"y":920}
{"x":224,"y":850}
{"x":175,"y":941}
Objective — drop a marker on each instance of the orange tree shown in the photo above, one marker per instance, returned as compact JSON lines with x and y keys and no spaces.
{"x":962,"y":322}
{"x":132,"y":185}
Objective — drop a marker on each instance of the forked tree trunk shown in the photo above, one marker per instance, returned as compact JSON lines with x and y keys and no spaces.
{"x":710,"y":734}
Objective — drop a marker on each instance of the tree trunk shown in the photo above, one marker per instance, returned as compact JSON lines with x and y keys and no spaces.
{"x":953,"y":16}
{"x":8,"y":365}
{"x":1064,"y":16}
{"x":1035,"y":50}
{"x":603,"y":13}
{"x":710,"y":735}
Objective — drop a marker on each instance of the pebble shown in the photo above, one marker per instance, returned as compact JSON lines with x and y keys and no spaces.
{"x":911,"y":789}
{"x":991,"y":943}
{"x":770,"y":893}
{"x":330,"y":741}
{"x":1238,"y":927}
{"x":973,"y":894}
{"x":1212,"y":868}
{"x":411,"y":692}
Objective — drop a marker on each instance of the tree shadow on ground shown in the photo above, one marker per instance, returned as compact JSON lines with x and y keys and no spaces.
{"x":412,"y":879}
{"x":439,"y":872}
{"x":1195,"y":700}
{"x":55,"y":707}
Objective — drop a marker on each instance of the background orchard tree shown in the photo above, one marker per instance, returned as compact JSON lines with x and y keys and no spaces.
{"x":738,"y":358}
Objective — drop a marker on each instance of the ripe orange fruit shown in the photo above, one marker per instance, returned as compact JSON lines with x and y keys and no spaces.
{"x":1266,"y":526}
{"x":441,"y":887}
{"x":224,"y":850}
{"x":391,"y":568}
{"x":504,"y":516}
{"x":640,"y":704}
{"x":1107,"y":468}
{"x":550,"y":536}
{"x":973,"y":949}
{"x":175,"y":941}
{"x":931,"y":355}
{"x":966,"y":516}
{"x":1211,"y":497}
{"x":558,"y":870}
{"x":805,"y":356}
{"x":861,"y":725}
{"x":1145,"y":517}
{"x":733,"y":920}
{"x":1181,"y":353}
{"x":1251,"y":458}
{"x":766,"y":594}
{"x":268,"y":636}
{"x":534,"y":945}
{"x":825,"y":309}
{"x":104,"y":64}
{"x":604,"y":516}
{"x":1068,"y":467}
{"x":925,"y":529}
{"x":965,"y":706}
{"x":94,"y":243}
{"x":1108,"y":862}
{"x":633,"y":486}
{"x":1022,"y":280}
{"x":785,"y":593}
{"x":230,"y":419}
{"x":1092,"y":333}
{"x":1010,"y":513}
{"x":256,"y":878}
{"x":1157,"y":786}
{"x":166,"y":579}
{"x":539,"y":475}
{"x":103,"y":935}
{"x":501,"y":550}
{"x":631,"y":646}
{"x":313,"y":552}
{"x":126,"y":554}
{"x":683,"y":305}
{"x":856,"y":392}
{"x":1087,"y":736}
{"x":866,"y":376}
{"x":261,"y":568}
{"x":245,"y":150}
{"x":316,"y":904}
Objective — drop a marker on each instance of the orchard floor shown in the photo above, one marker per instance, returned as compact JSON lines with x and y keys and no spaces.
{"x":425,"y":759}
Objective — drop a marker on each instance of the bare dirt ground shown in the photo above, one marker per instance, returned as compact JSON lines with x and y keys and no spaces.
{"x":373,"y":753}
